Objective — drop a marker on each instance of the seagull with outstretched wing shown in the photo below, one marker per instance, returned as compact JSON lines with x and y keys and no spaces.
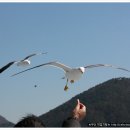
{"x":71,"y":74}
{"x":23,"y":62}
{"x":26,"y":61}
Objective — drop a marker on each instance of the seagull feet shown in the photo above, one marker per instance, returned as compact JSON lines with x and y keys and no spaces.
{"x":66,"y":88}
{"x":71,"y":81}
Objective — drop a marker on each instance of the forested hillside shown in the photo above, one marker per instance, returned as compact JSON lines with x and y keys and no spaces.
{"x":108,"y":104}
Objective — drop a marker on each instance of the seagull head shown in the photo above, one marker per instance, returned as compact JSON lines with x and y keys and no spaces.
{"x":82,"y":69}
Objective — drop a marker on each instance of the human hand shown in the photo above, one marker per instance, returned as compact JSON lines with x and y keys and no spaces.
{"x":79,"y":111}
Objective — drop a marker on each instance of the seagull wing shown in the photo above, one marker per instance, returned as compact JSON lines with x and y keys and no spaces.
{"x":34,"y":55}
{"x":55,"y":64}
{"x":6,"y":66}
{"x":61,"y":66}
{"x":106,"y":65}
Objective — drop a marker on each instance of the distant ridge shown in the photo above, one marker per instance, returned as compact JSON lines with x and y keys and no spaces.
{"x":5,"y":123}
{"x":108,"y":105}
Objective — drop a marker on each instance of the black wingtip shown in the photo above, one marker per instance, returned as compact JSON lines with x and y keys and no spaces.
{"x":6,"y":66}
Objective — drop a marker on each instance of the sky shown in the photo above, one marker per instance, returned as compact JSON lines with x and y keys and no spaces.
{"x":75,"y":34}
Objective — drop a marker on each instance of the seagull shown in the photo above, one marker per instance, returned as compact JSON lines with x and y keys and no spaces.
{"x":26,"y":61}
{"x":23,"y":62}
{"x":71,"y":74}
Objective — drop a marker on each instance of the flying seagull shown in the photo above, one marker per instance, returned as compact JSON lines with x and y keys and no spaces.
{"x":71,"y":74}
{"x":26,"y":61}
{"x":23,"y":62}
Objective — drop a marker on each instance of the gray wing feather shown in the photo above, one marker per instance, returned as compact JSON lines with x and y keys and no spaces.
{"x":60,"y":65}
{"x":105,"y":65}
{"x":34,"y":55}
{"x":56,"y":64}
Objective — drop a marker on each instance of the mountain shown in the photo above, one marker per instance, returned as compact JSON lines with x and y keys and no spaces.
{"x":108,"y":105}
{"x":5,"y":123}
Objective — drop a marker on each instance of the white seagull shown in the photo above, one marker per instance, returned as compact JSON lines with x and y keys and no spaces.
{"x":71,"y":74}
{"x":24,"y":62}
